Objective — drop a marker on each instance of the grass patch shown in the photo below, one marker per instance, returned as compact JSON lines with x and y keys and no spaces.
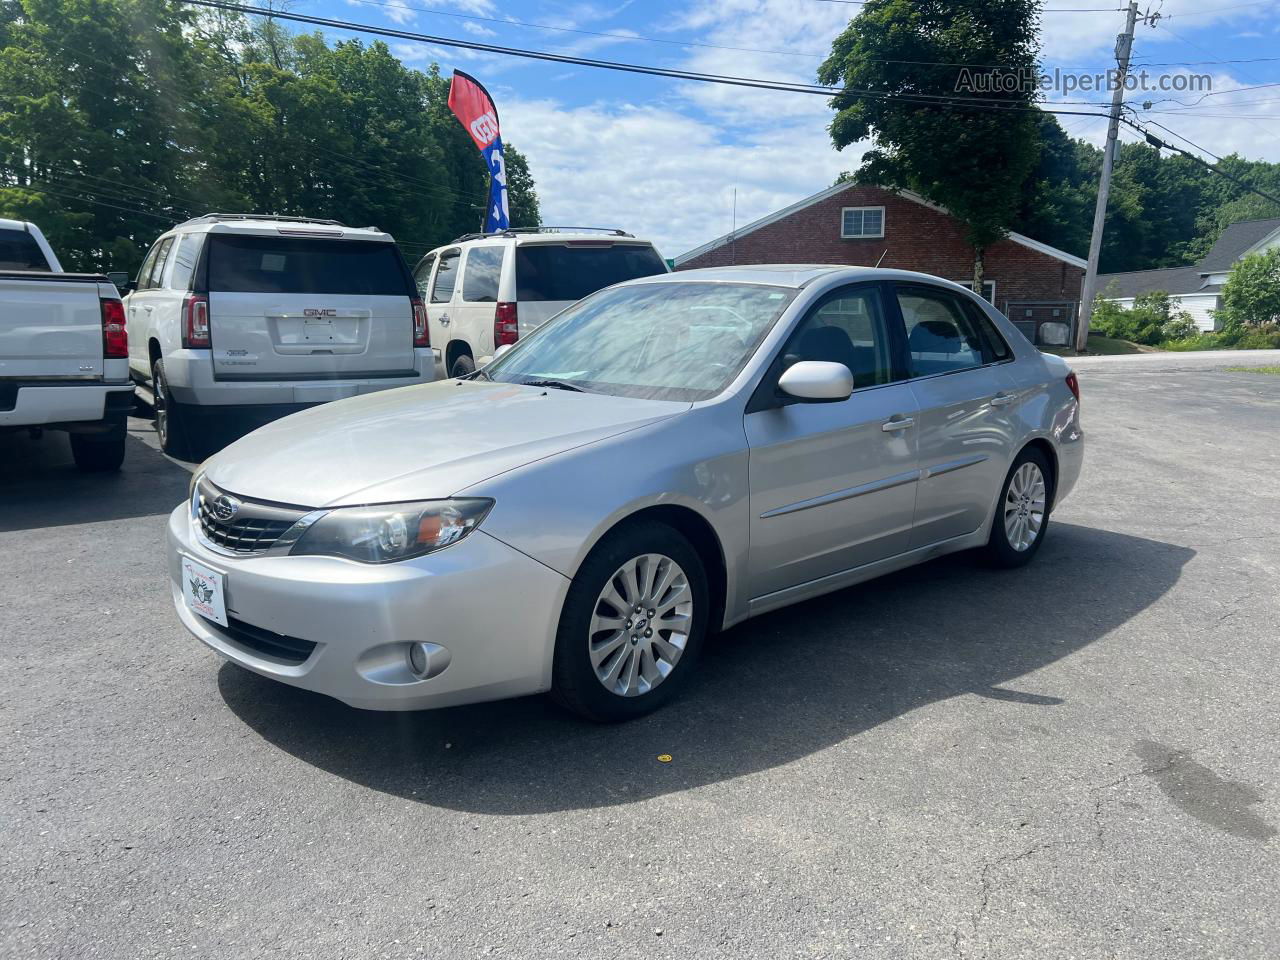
{"x":1102,"y":347}
{"x":1273,"y":371}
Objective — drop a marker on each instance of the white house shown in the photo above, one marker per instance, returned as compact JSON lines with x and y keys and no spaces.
{"x":1198,"y":288}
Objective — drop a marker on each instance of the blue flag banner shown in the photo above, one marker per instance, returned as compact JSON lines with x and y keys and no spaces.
{"x":475,"y":110}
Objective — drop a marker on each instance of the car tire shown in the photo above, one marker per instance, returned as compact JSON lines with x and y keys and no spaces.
{"x":1021,"y":518}
{"x":594,"y":661}
{"x":171,"y":417}
{"x":96,"y":454}
{"x":462,"y":366}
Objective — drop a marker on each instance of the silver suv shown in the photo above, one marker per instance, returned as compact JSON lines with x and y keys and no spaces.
{"x":486,"y":291}
{"x":261,"y":315}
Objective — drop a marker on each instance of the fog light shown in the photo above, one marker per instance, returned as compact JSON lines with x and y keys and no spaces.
{"x":427,"y":660}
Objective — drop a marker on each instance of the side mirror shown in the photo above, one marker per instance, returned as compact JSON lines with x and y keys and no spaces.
{"x":120,"y":278}
{"x":499,"y":352}
{"x":817,"y":381}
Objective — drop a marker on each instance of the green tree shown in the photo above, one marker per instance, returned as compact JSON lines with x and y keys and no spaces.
{"x":1251,"y":295}
{"x":973,"y":162}
{"x":522,"y":196}
{"x":119,"y":118}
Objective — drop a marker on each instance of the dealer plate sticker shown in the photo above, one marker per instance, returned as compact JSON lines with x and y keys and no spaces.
{"x":203,"y":590}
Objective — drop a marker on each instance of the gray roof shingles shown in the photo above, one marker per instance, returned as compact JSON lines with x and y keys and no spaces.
{"x":1231,"y":245}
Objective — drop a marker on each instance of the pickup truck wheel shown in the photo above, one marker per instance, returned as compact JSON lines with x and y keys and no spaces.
{"x":97,"y":454}
{"x":462,"y":366}
{"x":171,"y":421}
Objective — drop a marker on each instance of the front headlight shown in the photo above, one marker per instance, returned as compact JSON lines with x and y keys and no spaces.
{"x":392,"y":531}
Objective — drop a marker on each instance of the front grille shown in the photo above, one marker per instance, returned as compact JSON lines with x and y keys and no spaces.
{"x":253,"y":529}
{"x":275,"y":645}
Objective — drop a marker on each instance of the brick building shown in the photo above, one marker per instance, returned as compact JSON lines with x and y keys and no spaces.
{"x":1031,"y":282}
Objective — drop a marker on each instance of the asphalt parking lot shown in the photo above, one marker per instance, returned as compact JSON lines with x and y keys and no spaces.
{"x":1076,"y":759}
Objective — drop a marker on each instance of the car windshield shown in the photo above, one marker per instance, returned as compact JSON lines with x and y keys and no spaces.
{"x":662,"y":341}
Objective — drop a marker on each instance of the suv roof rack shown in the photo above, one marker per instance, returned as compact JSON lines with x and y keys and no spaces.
{"x":519,"y":231}
{"x":219,"y":217}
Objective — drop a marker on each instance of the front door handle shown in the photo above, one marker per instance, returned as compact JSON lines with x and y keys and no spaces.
{"x":896,"y":424}
{"x":1002,"y":399}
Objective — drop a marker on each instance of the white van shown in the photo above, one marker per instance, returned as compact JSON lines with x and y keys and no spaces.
{"x":261,"y":316}
{"x":513,"y":281}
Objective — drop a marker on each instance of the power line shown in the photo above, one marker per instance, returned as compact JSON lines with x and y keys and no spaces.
{"x":1156,"y":142}
{"x":972,"y":103}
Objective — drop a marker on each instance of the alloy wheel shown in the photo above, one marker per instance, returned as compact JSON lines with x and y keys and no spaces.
{"x":161,"y":408}
{"x":1024,"y":504}
{"x":640,"y":625}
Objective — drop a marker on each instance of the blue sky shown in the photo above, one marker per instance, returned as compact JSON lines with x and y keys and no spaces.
{"x":663,"y":157}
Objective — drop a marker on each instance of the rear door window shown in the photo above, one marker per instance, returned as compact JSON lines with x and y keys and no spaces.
{"x":152,"y":280}
{"x":255,"y":264}
{"x":942,"y":336}
{"x":446,"y":277}
{"x":19,"y":251}
{"x":480,"y":277}
{"x":571,"y":272}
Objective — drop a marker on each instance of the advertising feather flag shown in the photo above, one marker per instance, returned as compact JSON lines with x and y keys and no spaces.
{"x":472,"y":105}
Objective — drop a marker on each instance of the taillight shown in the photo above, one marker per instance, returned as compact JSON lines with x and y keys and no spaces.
{"x":506,"y":329}
{"x":1073,"y":385}
{"x":115,"y":339}
{"x":195,"y":321}
{"x":421,"y":335}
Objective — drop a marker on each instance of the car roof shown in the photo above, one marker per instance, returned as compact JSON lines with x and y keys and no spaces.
{"x":262,"y":225}
{"x":13,"y":224}
{"x":794,"y":275}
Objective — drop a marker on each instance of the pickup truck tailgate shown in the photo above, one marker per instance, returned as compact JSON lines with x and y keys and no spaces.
{"x":50,"y":326}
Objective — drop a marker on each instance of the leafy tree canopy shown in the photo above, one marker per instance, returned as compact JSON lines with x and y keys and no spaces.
{"x":119,"y":118}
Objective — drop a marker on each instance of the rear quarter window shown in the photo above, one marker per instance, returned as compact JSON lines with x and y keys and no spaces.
{"x":253,"y":264}
{"x":19,"y":251}
{"x":564,"y":272}
{"x":481,"y":274}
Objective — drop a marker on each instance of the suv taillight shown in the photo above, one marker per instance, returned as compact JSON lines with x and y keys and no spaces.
{"x":506,"y":328}
{"x":115,"y":338}
{"x":1073,"y":385}
{"x":195,"y":321}
{"x":421,"y":334}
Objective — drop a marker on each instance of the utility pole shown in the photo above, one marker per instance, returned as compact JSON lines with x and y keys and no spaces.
{"x":1124,"y":45}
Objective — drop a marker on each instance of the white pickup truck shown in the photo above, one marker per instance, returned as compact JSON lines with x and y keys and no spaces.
{"x":64,"y":355}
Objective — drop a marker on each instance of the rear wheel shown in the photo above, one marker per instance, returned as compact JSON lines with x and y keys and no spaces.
{"x":171,"y":418}
{"x":1022,"y":515}
{"x":462,"y":366}
{"x":632,"y":625}
{"x":97,"y":454}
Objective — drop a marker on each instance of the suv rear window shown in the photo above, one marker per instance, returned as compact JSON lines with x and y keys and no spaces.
{"x":556,"y":272}
{"x":19,"y":251}
{"x":250,"y":264}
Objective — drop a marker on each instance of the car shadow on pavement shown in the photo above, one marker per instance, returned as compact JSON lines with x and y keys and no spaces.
{"x":768,"y":692}
{"x":41,"y":487}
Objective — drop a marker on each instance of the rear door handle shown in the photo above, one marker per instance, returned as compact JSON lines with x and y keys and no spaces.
{"x":896,"y":424}
{"x":1002,"y":399}
{"x":444,"y":320}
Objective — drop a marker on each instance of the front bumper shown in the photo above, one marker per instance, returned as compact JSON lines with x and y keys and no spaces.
{"x":493,"y":608}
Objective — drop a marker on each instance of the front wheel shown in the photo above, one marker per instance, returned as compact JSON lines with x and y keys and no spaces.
{"x":632,"y":625}
{"x":1022,"y":515}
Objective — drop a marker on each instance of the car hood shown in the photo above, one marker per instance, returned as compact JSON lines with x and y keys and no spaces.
{"x":418,"y":443}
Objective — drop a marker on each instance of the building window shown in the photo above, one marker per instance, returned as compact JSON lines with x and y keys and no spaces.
{"x":988,"y":289}
{"x":861,"y":222}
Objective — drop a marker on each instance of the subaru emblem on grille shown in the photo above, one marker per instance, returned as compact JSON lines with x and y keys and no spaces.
{"x":225,"y":508}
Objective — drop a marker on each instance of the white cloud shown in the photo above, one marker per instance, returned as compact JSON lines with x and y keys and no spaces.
{"x":477,"y":29}
{"x":662,"y":173}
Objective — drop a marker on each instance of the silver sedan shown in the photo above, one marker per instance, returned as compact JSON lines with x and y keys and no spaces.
{"x":666,"y":458}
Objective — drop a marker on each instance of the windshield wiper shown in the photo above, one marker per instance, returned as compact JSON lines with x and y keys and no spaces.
{"x":555,"y":385}
{"x":476,"y":375}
